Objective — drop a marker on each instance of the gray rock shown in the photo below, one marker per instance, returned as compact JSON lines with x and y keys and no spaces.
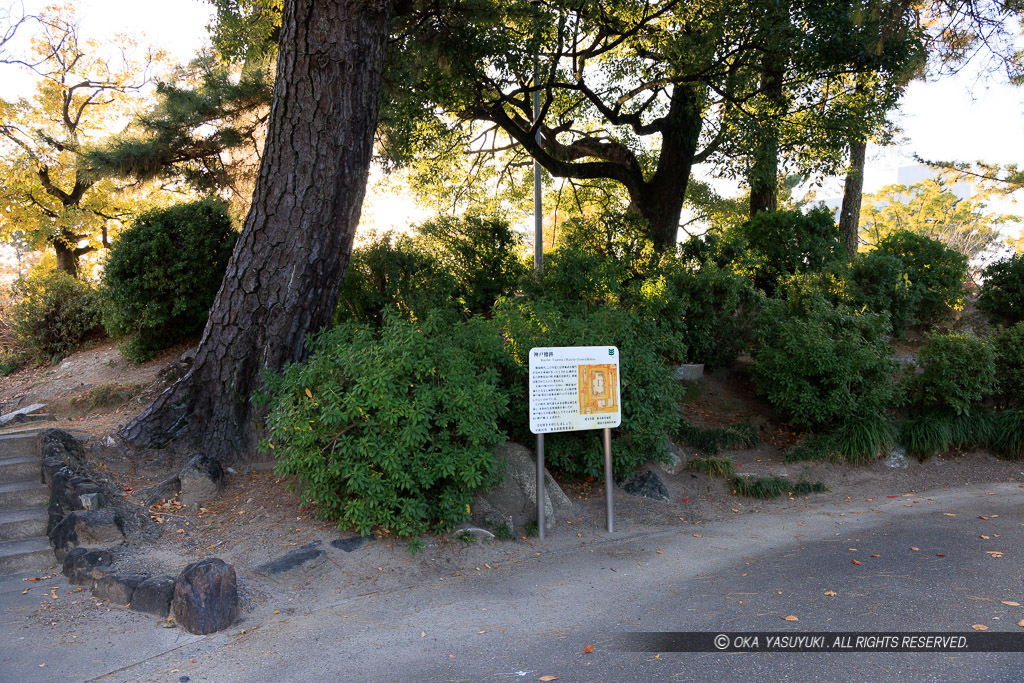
{"x":201,"y":479}
{"x":87,"y":528}
{"x":118,"y":588}
{"x":466,"y":531}
{"x":153,"y":596}
{"x":897,"y":458}
{"x":308,"y":556}
{"x":691,"y":372}
{"x":648,"y":485}
{"x":205,"y":596}
{"x":350,"y":544}
{"x":84,"y":567}
{"x":514,"y":500}
{"x":675,"y":460}
{"x":17,"y":415}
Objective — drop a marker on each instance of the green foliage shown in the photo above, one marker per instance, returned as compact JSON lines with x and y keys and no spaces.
{"x":705,"y":314}
{"x":953,"y":372}
{"x":52,"y":312}
{"x":713,"y":467}
{"x":1002,"y":292}
{"x":392,"y":426}
{"x":881,"y":282}
{"x":934,"y":270}
{"x":820,"y":365}
{"x":857,"y":441}
{"x":393,"y":272}
{"x":712,"y":440}
{"x":764,"y":488}
{"x":107,"y":395}
{"x":162,"y":275}
{"x":926,"y":433}
{"x":1008,"y":344}
{"x":779,"y":244}
{"x":482,"y":254}
{"x":1007,"y":437}
{"x":804,"y":487}
{"x":649,"y":393}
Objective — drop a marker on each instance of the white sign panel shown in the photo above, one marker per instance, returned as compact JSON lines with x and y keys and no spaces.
{"x":573,"y":388}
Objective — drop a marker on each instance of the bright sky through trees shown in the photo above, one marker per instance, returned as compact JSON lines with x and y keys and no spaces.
{"x":947,"y":119}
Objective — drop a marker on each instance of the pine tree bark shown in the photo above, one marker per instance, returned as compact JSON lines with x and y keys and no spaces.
{"x":849,"y":215}
{"x":283,"y":279}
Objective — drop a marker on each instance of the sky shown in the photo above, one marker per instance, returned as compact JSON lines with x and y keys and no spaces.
{"x":947,"y":119}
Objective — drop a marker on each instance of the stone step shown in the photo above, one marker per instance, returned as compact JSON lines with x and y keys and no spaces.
{"x":32,"y":554}
{"x":23,"y":494}
{"x":20,"y":468}
{"x":22,"y":444}
{"x":17,"y":525}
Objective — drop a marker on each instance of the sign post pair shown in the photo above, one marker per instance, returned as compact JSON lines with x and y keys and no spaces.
{"x":574,"y":388}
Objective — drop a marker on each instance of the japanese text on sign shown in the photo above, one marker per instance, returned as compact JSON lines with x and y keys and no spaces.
{"x":574,"y":388}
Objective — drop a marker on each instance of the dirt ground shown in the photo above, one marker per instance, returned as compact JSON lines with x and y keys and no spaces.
{"x":257,"y":517}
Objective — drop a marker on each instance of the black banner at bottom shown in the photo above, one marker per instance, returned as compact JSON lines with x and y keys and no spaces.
{"x":821,"y":641}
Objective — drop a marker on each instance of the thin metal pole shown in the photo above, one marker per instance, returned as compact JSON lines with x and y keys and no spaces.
{"x":540,"y":486}
{"x":538,"y":209}
{"x":608,"y":479}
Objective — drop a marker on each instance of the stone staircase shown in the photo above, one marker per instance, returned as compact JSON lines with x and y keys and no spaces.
{"x":24,"y":546}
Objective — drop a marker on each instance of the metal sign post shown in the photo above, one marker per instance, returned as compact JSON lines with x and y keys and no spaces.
{"x":574,"y":388}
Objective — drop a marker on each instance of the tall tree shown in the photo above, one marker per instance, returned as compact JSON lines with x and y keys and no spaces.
{"x":50,"y":196}
{"x":283,"y":279}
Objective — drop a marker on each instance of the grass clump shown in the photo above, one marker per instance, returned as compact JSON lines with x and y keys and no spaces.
{"x":764,"y":488}
{"x":712,"y":440}
{"x":713,"y":467}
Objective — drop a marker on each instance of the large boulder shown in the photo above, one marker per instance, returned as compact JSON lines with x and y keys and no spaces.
{"x":201,"y":479}
{"x":513,"y":502}
{"x":84,"y":567}
{"x":118,"y":588}
{"x":87,"y":528}
{"x":205,"y":596}
{"x":647,"y":485}
{"x":153,"y":596}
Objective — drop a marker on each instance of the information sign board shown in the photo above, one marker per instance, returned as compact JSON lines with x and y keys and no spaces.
{"x":573,"y":388}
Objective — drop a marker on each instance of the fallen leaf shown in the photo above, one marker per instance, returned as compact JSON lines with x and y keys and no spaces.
{"x":800,"y":524}
{"x":1021,"y":623}
{"x":876,"y":556}
{"x":996,"y":554}
{"x":588,"y":649}
{"x":985,"y":537}
{"x":790,"y":618}
{"x":742,"y":574}
{"x":192,"y":660}
{"x":685,"y":500}
{"x":949,"y":514}
{"x":548,"y":678}
{"x":982,"y":517}
{"x":277,"y":611}
{"x":856,"y":562}
{"x":830,"y":594}
{"x":940,"y":554}
{"x":980,"y":627}
{"x":698,"y":536}
{"x":1010,"y":603}
{"x":660,"y":551}
{"x":914,"y":549}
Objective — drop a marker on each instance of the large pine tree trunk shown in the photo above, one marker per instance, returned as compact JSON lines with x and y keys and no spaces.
{"x":849,"y":215}
{"x":282,"y":281}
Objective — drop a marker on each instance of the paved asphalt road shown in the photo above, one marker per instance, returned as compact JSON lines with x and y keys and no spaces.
{"x":533,"y":616}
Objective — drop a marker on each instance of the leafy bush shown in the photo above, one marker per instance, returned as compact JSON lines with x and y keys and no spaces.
{"x":392,"y":272}
{"x":649,"y":393}
{"x":936,"y":271}
{"x":481,"y":253}
{"x":782,"y":243}
{"x":705,"y":314}
{"x":574,"y":274}
{"x":1008,"y":344}
{"x":819,"y":364}
{"x":52,"y":312}
{"x":953,"y":372}
{"x":162,"y":275}
{"x":1002,"y":292}
{"x":392,"y":426}
{"x":881,"y":282}
{"x":855,"y":441}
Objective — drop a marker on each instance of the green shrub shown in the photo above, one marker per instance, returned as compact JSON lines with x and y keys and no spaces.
{"x":574,"y":274}
{"x":953,"y":372}
{"x":782,"y":243}
{"x":881,"y":282}
{"x":649,"y":393}
{"x":482,"y":254}
{"x":759,"y":487}
{"x":856,"y":441}
{"x":820,"y":365}
{"x":804,"y":487}
{"x":162,"y":275}
{"x":926,"y":433}
{"x":705,"y":314}
{"x":52,"y":313}
{"x":1008,"y":344}
{"x":1007,"y":434}
{"x":392,"y":426}
{"x":1002,"y":291}
{"x":935,"y":271}
{"x":392,"y":272}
